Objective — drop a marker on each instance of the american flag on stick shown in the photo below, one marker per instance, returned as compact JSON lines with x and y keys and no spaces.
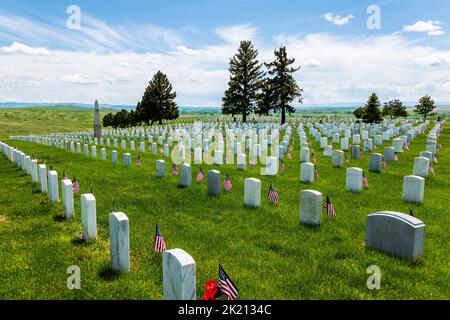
{"x":227,"y":286}
{"x":149,"y":147}
{"x":64,"y":177}
{"x":175,"y":170}
{"x":282,"y":167}
{"x":346,"y":160}
{"x":289,"y":155}
{"x":330,"y":209}
{"x":435,"y":159}
{"x":407,"y":146}
{"x":160,"y":245}
{"x":365,"y":181}
{"x":431,"y":169}
{"x":290,"y":148}
{"x":75,"y":185}
{"x":227,"y":185}
{"x":273,"y":195}
{"x":138,"y":161}
{"x":316,"y":173}
{"x":313,"y":157}
{"x":200,"y":175}
{"x":161,"y":150}
{"x":395,"y":157}
{"x":252,"y":164}
{"x":384,"y":164}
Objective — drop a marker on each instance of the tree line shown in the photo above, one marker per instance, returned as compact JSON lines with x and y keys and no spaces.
{"x":372,"y":113}
{"x":260,"y":87}
{"x":157,"y":104}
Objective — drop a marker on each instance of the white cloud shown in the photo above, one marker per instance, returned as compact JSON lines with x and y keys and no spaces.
{"x":433,"y":60}
{"x":20,"y":48}
{"x":237,"y":33}
{"x":312,"y":63}
{"x":338,"y":20}
{"x":431,"y":28}
{"x":78,"y":78}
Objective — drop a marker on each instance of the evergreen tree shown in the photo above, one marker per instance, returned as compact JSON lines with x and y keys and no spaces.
{"x":425,"y":107}
{"x":359,"y":113}
{"x":245,"y":78}
{"x":372,"y":112}
{"x":121,"y":119}
{"x":265,"y":98}
{"x":107,"y":120}
{"x":158,"y":102}
{"x":394,"y":109}
{"x":282,"y":85}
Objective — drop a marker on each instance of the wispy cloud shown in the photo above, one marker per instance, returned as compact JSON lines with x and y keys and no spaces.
{"x":20,"y":48}
{"x":431,"y":28}
{"x":337,"y":19}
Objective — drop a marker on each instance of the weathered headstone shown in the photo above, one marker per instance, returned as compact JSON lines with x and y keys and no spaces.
{"x":179,"y":275}
{"x":185,"y":175}
{"x":356,"y":152}
{"x":160,"y":168}
{"x":338,"y":159}
{"x":126,"y":160}
{"x":389,"y":154}
{"x":67,"y":197}
{"x":214,"y":186}
{"x":304,"y":155}
{"x":252,"y":192}
{"x":375,"y":162}
{"x":307,"y":172}
{"x":413,"y":189}
{"x":396,"y":233}
{"x":114,"y":157}
{"x":354,"y":179}
{"x":89,"y":216}
{"x":310,"y":207}
{"x":119,"y":235}
{"x":421,"y":167}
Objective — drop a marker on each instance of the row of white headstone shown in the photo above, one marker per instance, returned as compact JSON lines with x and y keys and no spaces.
{"x":179,"y":269}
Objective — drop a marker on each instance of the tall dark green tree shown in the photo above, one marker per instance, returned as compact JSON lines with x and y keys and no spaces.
{"x":359,"y":113}
{"x":394,"y":109}
{"x":108,"y":120}
{"x":244,"y":83}
{"x":372,"y":111}
{"x":282,"y":85}
{"x":158,"y":102}
{"x":425,"y":107}
{"x":265,"y":98}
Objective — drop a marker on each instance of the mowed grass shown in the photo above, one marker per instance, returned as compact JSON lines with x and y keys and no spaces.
{"x":266,"y":252}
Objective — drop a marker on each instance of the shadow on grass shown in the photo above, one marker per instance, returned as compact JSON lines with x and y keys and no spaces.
{"x":311,"y":227}
{"x":59,"y":218}
{"x":411,"y":263}
{"x":106,"y":273}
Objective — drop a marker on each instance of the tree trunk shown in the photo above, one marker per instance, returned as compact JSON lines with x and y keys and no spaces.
{"x":283,"y":115}
{"x":244,"y":115}
{"x":160,"y":122}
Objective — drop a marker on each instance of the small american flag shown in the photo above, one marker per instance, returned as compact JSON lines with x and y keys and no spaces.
{"x":282,"y":167}
{"x":227,"y":185}
{"x":316,"y":174}
{"x":385,"y":165}
{"x":439,"y":147}
{"x":290,"y":148}
{"x":273,"y":195}
{"x":395,"y":157}
{"x":75,"y":185}
{"x":252,"y":164}
{"x":435,"y":159}
{"x":200,"y":175}
{"x":407,"y":146}
{"x":160,"y":245}
{"x":161,"y":150}
{"x":149,"y":147}
{"x":374,"y":147}
{"x":138,"y":161}
{"x":313,"y":157}
{"x":330,"y":209}
{"x":365,"y":181}
{"x":346,"y":160}
{"x":64,"y":177}
{"x":431,"y":169}
{"x":175,"y":170}
{"x":289,"y":155}
{"x":227,"y":286}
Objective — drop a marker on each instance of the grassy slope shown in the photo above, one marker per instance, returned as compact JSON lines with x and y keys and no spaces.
{"x":265,"y":251}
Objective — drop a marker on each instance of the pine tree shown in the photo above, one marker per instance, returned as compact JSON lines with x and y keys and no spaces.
{"x":425,"y":107}
{"x":158,"y":102}
{"x":284,"y":88}
{"x":359,"y":113}
{"x":394,"y":109}
{"x":372,"y":112}
{"x":245,"y":78}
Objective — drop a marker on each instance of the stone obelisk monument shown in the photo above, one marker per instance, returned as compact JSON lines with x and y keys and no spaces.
{"x":97,"y":123}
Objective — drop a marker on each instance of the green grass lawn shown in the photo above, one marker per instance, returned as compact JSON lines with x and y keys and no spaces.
{"x":266,"y":252}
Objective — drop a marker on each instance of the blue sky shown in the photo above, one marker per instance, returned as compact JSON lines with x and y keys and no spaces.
{"x":121,"y":45}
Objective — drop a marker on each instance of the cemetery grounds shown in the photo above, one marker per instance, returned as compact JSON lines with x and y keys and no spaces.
{"x":266,"y":251}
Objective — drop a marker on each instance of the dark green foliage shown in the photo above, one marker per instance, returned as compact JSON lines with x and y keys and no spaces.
{"x":358,"y":113}
{"x":425,"y":107}
{"x":282,"y":86}
{"x":372,"y":112}
{"x":158,"y":102}
{"x":394,"y":109}
{"x":244,"y":83}
{"x":108,"y":120}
